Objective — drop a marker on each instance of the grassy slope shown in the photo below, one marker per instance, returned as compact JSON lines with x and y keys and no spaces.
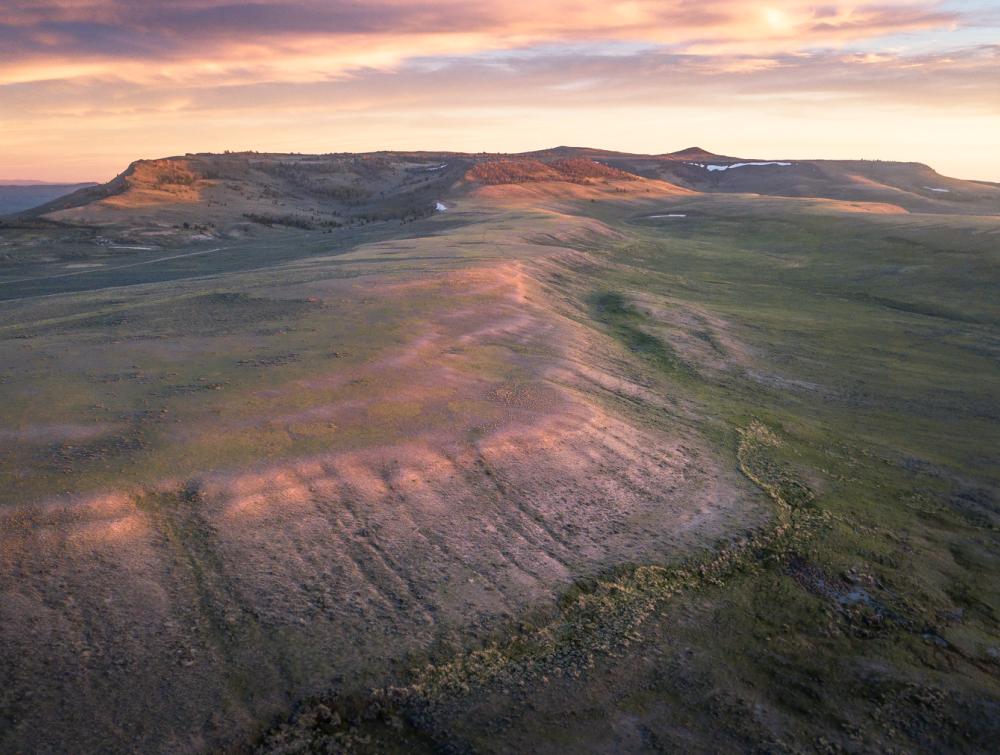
{"x":847,"y":364}
{"x":866,"y":618}
{"x":137,"y":398}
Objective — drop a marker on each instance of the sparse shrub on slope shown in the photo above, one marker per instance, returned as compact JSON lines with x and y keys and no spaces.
{"x":576,"y":170}
{"x":580,"y":169}
{"x":160,"y":174}
{"x":512,"y":172}
{"x":290,"y":221}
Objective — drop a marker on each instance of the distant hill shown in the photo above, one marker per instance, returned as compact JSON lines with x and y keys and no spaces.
{"x":17,"y":196}
{"x":178,"y":198}
{"x":232,"y":194}
{"x":913,"y":186}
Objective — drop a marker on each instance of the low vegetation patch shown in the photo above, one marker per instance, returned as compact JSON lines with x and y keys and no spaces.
{"x":577,"y":170}
{"x":629,"y":327}
{"x":597,"y":617}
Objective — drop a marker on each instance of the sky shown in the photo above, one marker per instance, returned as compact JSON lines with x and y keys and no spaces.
{"x":88,"y":86}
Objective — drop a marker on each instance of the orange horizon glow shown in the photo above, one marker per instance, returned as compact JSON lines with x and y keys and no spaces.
{"x":88,"y":86}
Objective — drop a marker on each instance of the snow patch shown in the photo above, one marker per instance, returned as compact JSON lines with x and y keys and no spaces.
{"x":138,"y":248}
{"x":931,"y":188}
{"x":669,"y":215}
{"x":738,"y":165}
{"x":440,"y":207}
{"x":442,"y":166}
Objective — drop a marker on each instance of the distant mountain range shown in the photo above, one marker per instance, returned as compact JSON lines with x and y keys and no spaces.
{"x":30,"y":182}
{"x":17,"y":196}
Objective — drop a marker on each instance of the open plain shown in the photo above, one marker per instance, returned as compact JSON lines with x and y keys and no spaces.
{"x":569,"y":451}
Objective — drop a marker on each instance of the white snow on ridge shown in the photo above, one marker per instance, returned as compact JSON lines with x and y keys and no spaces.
{"x":442,"y":166}
{"x":669,"y":215}
{"x":737,"y":165}
{"x":931,"y":188}
{"x":440,"y":207}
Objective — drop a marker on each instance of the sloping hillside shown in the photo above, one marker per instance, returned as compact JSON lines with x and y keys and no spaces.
{"x":913,"y":186}
{"x":576,"y":170}
{"x":201,"y":196}
{"x":233,"y":194}
{"x":693,"y":470}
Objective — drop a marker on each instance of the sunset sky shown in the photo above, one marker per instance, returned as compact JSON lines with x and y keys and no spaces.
{"x":87,"y":86}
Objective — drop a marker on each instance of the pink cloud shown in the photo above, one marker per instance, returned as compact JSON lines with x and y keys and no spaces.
{"x":223,"y":41}
{"x":80,"y":74}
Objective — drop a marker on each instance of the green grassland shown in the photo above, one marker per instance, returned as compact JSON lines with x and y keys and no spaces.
{"x":864,"y":617}
{"x":844,"y":366}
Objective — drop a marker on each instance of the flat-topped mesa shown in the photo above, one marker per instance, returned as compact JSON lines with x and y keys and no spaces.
{"x":196,"y":196}
{"x":243,"y":193}
{"x":172,"y":175}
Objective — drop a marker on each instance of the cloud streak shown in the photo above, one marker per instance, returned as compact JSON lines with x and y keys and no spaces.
{"x":222,"y":41}
{"x":85,"y":82}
